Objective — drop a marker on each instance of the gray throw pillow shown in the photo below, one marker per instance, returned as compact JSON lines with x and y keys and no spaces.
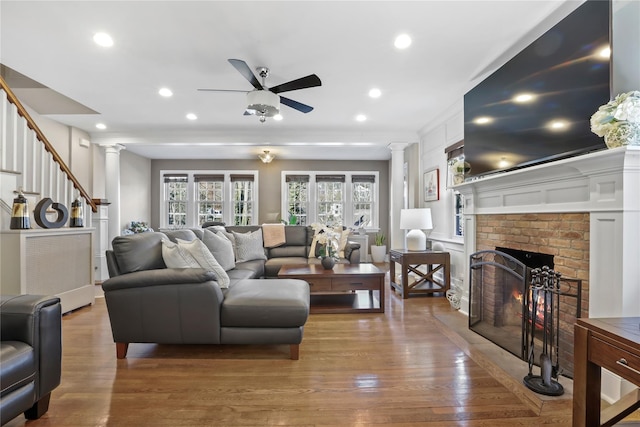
{"x":249,"y":246}
{"x":221,"y":249}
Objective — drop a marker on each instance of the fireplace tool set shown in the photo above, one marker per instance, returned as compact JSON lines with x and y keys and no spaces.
{"x":544,"y":301}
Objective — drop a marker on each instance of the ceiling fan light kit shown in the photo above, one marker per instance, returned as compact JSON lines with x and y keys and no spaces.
{"x":264,"y":101}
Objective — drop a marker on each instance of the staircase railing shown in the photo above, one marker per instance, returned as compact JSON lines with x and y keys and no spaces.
{"x":47,"y":145}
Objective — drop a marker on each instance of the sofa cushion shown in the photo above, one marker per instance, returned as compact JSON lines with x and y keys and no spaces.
{"x":199,"y":251}
{"x":256,"y":267}
{"x":175,"y":256}
{"x":288,"y":251}
{"x":221,"y":248}
{"x":264,"y":303}
{"x":296,"y":235}
{"x":138,"y":252}
{"x":18,"y":365}
{"x":249,"y":246}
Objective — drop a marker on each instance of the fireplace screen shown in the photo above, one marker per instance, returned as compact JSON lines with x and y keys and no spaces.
{"x":500,"y":305}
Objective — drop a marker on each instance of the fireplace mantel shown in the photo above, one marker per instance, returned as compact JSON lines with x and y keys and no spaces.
{"x":606,"y":184}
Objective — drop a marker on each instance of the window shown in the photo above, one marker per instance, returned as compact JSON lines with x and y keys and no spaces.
{"x":210,"y":198}
{"x":297,"y":193}
{"x":242,"y":199}
{"x":333,"y":198}
{"x":362,"y":199}
{"x":330,"y":196}
{"x":193,"y":198}
{"x":175,"y":197}
{"x":455,"y":154}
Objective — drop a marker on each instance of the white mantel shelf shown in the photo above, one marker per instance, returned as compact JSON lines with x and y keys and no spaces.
{"x":593,"y":182}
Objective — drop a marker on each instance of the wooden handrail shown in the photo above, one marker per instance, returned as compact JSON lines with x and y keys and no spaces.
{"x":47,"y":145}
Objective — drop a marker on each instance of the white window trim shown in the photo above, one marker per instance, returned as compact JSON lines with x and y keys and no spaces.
{"x":192,"y":214}
{"x":348,"y":195}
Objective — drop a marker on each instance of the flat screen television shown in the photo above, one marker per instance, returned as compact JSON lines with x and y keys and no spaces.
{"x":537,"y":106}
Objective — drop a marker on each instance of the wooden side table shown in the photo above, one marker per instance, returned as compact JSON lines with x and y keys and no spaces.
{"x":426,"y":283}
{"x":614,"y":344}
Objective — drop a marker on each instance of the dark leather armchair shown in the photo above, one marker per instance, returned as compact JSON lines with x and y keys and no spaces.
{"x":30,"y":354}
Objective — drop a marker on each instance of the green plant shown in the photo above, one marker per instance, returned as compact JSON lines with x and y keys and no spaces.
{"x":379,"y":239}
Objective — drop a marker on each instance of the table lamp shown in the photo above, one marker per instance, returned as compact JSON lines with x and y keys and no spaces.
{"x":416,"y":220}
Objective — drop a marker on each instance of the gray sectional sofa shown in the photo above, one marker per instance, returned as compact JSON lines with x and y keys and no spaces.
{"x":150,"y":303}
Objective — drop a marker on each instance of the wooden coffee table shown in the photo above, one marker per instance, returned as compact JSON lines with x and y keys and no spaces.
{"x":348,"y":288}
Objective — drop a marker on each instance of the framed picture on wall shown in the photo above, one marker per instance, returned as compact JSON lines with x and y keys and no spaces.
{"x":432,"y":185}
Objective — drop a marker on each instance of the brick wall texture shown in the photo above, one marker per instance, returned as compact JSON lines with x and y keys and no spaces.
{"x":563,"y":235}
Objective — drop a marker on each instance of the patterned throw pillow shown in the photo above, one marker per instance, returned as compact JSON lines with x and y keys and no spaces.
{"x":249,"y":246}
{"x":221,"y":249}
{"x":199,"y":251}
{"x":176,"y":257}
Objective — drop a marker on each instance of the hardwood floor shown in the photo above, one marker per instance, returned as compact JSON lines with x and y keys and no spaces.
{"x":405,"y":367}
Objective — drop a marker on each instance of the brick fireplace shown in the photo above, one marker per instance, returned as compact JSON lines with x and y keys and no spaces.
{"x":563,"y":235}
{"x":584,"y":210}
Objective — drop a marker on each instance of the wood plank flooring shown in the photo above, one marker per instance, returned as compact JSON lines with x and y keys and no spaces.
{"x":404,"y":367}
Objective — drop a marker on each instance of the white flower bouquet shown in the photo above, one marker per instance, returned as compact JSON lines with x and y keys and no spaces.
{"x":328,"y":237}
{"x":618,"y":121}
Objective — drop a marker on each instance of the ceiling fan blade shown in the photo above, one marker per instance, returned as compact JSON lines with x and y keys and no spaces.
{"x":246,"y":72}
{"x":222,"y":90}
{"x":296,"y":105}
{"x":302,"y":83}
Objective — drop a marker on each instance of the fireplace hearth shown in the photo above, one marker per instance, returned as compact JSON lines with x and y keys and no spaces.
{"x":500,"y":302}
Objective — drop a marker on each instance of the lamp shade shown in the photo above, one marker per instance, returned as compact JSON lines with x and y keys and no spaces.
{"x":416,"y":220}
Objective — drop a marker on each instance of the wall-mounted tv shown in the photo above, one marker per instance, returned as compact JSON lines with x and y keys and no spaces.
{"x":537,"y":106}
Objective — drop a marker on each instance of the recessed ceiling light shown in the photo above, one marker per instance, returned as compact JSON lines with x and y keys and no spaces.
{"x":523,"y":98}
{"x":277,"y":117}
{"x":192,"y":116}
{"x":361,"y":118}
{"x":103,"y":39}
{"x":403,"y":41}
{"x":101,"y":126}
{"x":375,"y":93}
{"x":482,"y":120}
{"x":166,"y":92}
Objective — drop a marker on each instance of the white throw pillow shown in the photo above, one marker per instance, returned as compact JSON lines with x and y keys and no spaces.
{"x":199,"y":251}
{"x":249,"y":246}
{"x":176,"y":257}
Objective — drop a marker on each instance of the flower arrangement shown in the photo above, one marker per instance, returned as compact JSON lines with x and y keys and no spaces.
{"x":136,"y":227}
{"x":328,"y":237}
{"x":618,"y":121}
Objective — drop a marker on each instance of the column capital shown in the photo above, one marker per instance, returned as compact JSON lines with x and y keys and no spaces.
{"x":398,"y":146}
{"x":112,"y":147}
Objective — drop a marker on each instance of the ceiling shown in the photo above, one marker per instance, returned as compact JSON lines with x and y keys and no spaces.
{"x":184,"y":45}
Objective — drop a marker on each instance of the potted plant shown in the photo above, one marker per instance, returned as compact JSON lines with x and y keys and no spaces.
{"x":379,"y":249}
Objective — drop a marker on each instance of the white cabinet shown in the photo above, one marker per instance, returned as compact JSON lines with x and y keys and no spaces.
{"x":49,"y":262}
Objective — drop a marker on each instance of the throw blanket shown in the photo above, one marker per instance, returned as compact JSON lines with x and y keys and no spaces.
{"x":273,"y":235}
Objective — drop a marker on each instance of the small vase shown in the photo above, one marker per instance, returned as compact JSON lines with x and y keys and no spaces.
{"x":328,"y":262}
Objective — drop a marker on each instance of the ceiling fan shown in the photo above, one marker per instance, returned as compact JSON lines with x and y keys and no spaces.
{"x":264,"y":101}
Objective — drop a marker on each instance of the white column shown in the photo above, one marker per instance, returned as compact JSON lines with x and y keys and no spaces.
{"x":396,"y":238}
{"x":112,"y":187}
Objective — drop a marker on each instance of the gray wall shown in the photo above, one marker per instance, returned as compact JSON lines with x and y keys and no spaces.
{"x":135,"y":188}
{"x":269,"y":184}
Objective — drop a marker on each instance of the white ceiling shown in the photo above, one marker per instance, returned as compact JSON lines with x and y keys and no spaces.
{"x":184,"y":45}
